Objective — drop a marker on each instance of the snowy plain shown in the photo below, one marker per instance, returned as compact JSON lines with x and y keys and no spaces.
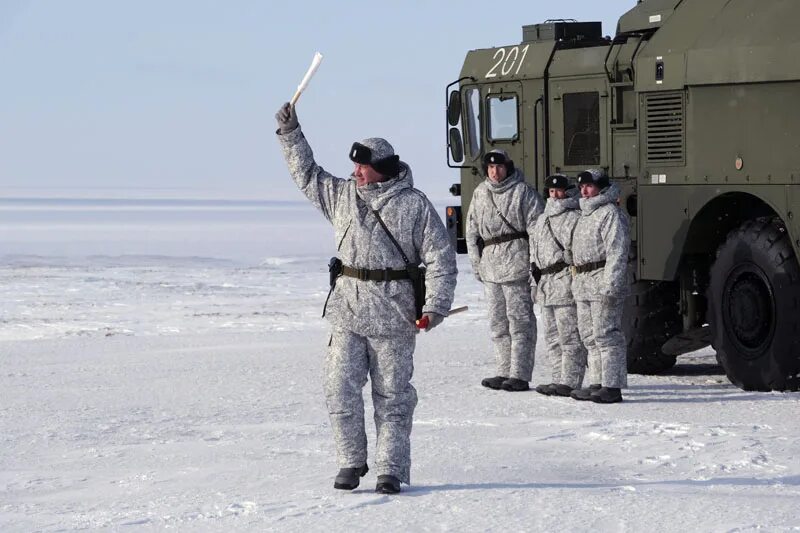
{"x":161,"y":369}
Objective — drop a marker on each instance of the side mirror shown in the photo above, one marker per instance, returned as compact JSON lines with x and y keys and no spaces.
{"x":456,"y":145}
{"x":454,"y":108}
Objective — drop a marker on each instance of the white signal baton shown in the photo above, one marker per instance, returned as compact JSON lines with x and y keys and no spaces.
{"x":309,"y":74}
{"x":423,"y":322}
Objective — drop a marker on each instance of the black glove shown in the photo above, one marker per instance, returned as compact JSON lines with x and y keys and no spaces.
{"x":287,"y":118}
{"x":536,"y":273}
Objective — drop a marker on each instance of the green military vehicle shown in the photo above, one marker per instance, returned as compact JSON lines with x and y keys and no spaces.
{"x":693,"y":108}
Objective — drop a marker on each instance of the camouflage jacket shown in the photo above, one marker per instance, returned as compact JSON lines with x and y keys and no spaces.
{"x":520,"y":204}
{"x":555,"y":227}
{"x":370,"y":308}
{"x":602,"y":234}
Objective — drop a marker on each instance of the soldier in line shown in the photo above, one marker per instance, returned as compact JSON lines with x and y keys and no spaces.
{"x":600,"y":256}
{"x":500,"y":225}
{"x":384,"y":228}
{"x":552,"y":256}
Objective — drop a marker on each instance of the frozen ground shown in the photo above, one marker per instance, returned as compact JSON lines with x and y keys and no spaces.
{"x":154,"y":392}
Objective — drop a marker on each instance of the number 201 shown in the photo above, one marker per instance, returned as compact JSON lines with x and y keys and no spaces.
{"x":507,"y":61}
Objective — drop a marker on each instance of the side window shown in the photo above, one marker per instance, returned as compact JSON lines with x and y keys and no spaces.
{"x":582,"y":129}
{"x":502,"y":110}
{"x":473,"y":99}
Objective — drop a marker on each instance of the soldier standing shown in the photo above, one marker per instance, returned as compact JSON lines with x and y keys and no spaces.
{"x":552,"y":255}
{"x":384,"y":229}
{"x":500,"y":224}
{"x":600,"y":255}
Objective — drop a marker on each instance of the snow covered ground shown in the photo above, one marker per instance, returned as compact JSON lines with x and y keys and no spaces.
{"x":140,"y":390}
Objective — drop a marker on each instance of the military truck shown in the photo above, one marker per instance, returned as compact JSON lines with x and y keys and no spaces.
{"x":693,"y":109}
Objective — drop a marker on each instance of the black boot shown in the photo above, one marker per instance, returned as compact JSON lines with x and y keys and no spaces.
{"x":387,"y":485}
{"x":348,"y":478}
{"x":563,"y":390}
{"x":547,"y":390}
{"x":607,"y":395}
{"x":515,"y":385}
{"x":584,"y":395}
{"x":493,"y":383}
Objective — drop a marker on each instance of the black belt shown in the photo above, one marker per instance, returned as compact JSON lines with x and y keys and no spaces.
{"x":588,"y":267}
{"x":555,"y":268}
{"x":505,"y":238}
{"x":383,"y":274}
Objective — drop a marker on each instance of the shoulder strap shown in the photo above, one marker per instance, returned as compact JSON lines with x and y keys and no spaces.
{"x":491,"y":197}
{"x":339,"y":248}
{"x":572,"y":233}
{"x":391,"y":237}
{"x":553,"y":233}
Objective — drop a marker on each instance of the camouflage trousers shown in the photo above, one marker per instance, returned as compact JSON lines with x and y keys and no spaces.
{"x":513,"y":328}
{"x":389,"y":363}
{"x":565,"y":352}
{"x":600,"y":327}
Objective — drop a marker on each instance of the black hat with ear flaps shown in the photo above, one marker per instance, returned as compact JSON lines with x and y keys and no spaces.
{"x":378,"y":154}
{"x":594,"y":176}
{"x":557,"y":181}
{"x":497,"y":157}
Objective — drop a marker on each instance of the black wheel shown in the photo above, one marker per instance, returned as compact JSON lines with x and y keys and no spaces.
{"x":753,"y":302}
{"x":651,"y":318}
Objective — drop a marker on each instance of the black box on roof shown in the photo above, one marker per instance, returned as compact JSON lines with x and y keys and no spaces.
{"x":563,"y":31}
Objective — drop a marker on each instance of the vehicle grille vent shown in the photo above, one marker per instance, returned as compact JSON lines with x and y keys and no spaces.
{"x":665,"y":131}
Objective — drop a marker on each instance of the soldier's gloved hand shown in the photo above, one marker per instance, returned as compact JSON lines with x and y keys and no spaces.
{"x":535,"y":274}
{"x":287,"y":118}
{"x":612,"y":301}
{"x":434,"y":319}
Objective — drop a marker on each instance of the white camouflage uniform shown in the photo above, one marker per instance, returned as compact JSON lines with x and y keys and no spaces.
{"x":602,"y":233}
{"x":566,"y":353}
{"x":373,"y":323}
{"x":504,"y":269}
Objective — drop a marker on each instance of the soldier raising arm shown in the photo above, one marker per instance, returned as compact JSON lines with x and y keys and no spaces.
{"x":384,"y":228}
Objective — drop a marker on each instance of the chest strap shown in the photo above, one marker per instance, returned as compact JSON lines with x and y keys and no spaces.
{"x":588,"y":267}
{"x":505,"y":238}
{"x":383,"y":274}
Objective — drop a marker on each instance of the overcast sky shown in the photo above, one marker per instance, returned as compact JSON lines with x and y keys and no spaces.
{"x":177,"y":97}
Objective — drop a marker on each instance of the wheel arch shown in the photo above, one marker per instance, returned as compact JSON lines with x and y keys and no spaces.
{"x":708,"y":230}
{"x":676,"y":224}
{"x":719,"y":216}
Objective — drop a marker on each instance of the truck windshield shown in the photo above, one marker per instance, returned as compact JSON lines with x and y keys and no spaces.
{"x":473,"y":99}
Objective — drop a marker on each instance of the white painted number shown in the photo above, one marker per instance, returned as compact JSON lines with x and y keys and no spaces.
{"x":502,"y":53}
{"x":507,"y":61}
{"x":510,"y":62}
{"x":524,"y":53}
